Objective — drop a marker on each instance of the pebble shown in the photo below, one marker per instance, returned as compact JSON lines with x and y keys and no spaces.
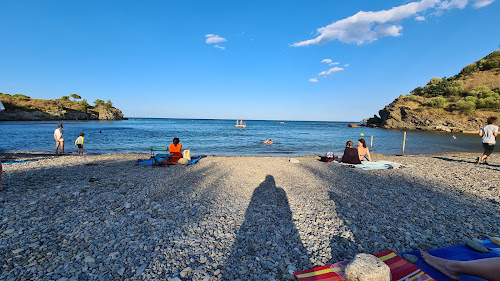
{"x":410,"y":258}
{"x":476,"y":246}
{"x":186,"y":272}
{"x":231,"y":218}
{"x":495,"y":240}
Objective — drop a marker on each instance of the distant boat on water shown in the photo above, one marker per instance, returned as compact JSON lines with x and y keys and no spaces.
{"x":240,"y":124}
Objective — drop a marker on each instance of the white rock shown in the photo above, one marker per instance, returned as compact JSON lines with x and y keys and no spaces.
{"x":365,"y":267}
{"x":17,"y":251}
{"x":121,"y":271}
{"x":186,"y":272}
{"x":89,"y":259}
{"x":127,"y":205}
{"x":294,"y":160}
{"x":9,"y":231}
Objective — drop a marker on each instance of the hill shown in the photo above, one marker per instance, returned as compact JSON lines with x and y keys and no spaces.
{"x":458,"y":103}
{"x":23,"y":108}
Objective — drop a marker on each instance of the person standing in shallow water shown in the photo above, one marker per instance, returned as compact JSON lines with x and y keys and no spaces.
{"x":488,"y":134}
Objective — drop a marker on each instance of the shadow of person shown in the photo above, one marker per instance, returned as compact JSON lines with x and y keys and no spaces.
{"x":268,"y":244}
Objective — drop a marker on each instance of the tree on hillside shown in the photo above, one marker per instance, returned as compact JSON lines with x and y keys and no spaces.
{"x":109,"y":104}
{"x":98,"y":102}
{"x":75,"y":97}
{"x":65,"y":97}
{"x":84,"y":105}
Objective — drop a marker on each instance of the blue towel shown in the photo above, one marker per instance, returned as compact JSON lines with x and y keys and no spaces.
{"x":459,"y":252}
{"x":16,"y":162}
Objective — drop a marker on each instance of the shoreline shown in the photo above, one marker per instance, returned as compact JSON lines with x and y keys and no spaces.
{"x":228,"y":218}
{"x":23,"y":155}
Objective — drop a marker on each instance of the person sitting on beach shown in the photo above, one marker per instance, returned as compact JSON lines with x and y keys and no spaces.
{"x":58,"y":136}
{"x":488,"y":134}
{"x":175,"y":149}
{"x":79,"y":143}
{"x":350,"y":154}
{"x":487,"y":268}
{"x":363,"y":151}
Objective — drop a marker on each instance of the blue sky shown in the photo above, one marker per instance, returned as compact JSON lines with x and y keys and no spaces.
{"x":279,"y":60}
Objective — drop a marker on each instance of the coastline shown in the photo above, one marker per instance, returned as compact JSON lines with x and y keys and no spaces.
{"x":230,"y":217}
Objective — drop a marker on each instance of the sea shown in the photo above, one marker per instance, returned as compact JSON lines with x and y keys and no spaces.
{"x":221,"y":137}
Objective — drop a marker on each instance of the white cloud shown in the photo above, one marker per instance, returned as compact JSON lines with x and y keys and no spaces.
{"x":452,"y":4}
{"x":214,"y":39}
{"x":346,"y":65}
{"x":313,"y":80}
{"x":482,"y":3}
{"x":364,"y":27}
{"x":331,"y":71}
{"x":219,"y":47}
{"x":334,"y":63}
{"x":326,"y":61}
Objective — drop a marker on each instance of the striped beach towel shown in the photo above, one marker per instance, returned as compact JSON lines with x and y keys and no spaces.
{"x":401,"y":270}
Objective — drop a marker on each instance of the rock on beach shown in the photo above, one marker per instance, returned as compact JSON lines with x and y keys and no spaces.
{"x":232,"y":218}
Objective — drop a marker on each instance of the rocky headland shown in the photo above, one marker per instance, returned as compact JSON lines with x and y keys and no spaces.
{"x":24,"y":108}
{"x":461,"y":103}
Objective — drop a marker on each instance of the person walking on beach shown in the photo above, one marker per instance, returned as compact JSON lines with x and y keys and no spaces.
{"x":58,"y":136}
{"x":489,"y":134}
{"x":79,"y":143}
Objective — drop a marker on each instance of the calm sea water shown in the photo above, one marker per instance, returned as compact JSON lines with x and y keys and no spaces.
{"x":220,"y":137}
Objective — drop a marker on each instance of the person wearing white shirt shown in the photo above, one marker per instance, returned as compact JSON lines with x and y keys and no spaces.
{"x":58,"y":136}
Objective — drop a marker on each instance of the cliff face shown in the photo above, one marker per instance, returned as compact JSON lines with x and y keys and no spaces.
{"x":408,"y":115}
{"x":21,"y":109}
{"x":459,"y":103}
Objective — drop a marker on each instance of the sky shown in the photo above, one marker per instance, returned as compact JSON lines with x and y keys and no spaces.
{"x":320,"y":60}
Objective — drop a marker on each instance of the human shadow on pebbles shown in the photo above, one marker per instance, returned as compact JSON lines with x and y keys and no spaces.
{"x":474,"y":161}
{"x":268,"y":244}
{"x":383,"y":210}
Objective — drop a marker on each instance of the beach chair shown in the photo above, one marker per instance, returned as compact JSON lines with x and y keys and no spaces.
{"x":156,"y":149}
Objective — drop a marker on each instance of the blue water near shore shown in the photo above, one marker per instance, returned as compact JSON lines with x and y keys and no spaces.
{"x":220,"y":137}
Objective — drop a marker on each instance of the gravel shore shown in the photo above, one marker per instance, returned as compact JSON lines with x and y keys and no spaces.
{"x":232,"y":218}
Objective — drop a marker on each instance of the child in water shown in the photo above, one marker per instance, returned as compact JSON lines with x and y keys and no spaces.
{"x":79,"y":143}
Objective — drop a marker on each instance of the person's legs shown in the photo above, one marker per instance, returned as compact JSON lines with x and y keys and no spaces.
{"x":57,"y":147}
{"x":486,"y":153}
{"x":62,"y":147}
{"x":488,"y":268}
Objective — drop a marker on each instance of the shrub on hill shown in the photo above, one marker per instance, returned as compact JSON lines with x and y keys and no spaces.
{"x":21,"y":96}
{"x":436,"y":102}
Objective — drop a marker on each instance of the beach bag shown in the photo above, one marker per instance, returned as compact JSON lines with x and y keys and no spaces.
{"x":186,"y":154}
{"x":328,"y":157}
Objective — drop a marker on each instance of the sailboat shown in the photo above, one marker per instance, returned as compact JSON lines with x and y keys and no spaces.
{"x":240,"y":124}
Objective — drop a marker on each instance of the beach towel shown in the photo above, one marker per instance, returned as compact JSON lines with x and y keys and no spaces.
{"x":376,"y":165}
{"x":458,"y":252}
{"x":159,"y":158}
{"x":400,"y":270}
{"x":16,"y":162}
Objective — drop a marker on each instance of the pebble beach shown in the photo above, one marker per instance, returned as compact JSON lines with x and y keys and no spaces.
{"x":102,"y":217}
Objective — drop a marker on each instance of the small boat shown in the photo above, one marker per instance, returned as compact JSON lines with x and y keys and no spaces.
{"x":240,"y":124}
{"x":282,"y":122}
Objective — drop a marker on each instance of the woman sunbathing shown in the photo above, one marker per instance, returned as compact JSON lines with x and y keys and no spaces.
{"x":363,"y":151}
{"x":488,"y":268}
{"x":350,"y":154}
